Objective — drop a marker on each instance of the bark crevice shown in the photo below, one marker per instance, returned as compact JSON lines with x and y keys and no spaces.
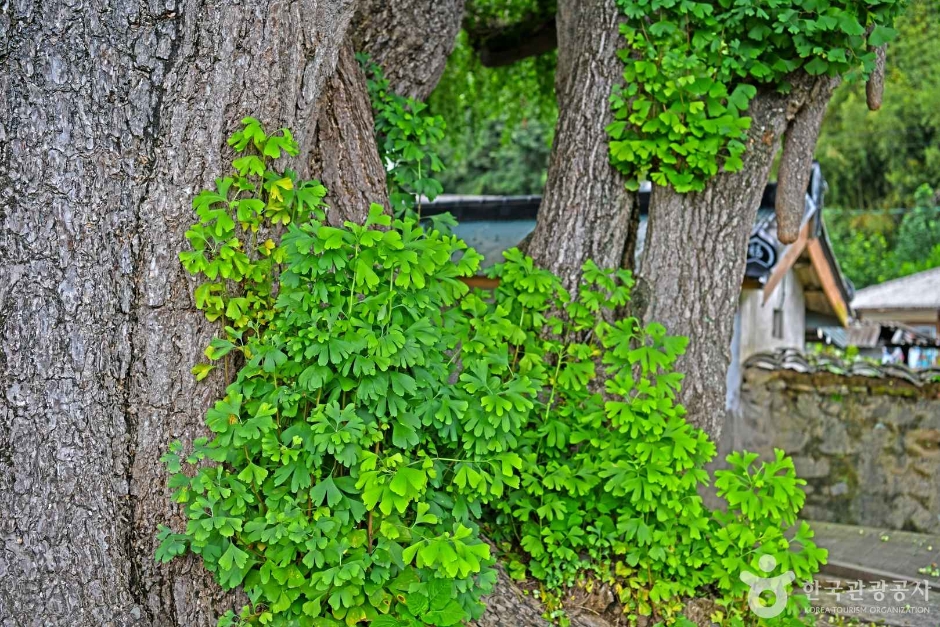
{"x":344,"y":157}
{"x":152,"y":131}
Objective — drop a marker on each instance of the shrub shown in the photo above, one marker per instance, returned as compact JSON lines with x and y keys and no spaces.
{"x":381,"y":413}
{"x":611,"y":470}
{"x":336,"y":491}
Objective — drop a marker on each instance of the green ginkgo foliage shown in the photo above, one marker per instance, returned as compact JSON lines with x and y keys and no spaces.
{"x":335,"y":488}
{"x":692,"y":67}
{"x":380,"y":418}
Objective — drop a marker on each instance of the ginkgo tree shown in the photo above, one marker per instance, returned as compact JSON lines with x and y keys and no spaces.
{"x":125,"y":112}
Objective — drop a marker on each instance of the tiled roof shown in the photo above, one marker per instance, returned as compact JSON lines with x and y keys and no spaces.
{"x":790,"y":359}
{"x":916,"y":291}
{"x":875,"y":334}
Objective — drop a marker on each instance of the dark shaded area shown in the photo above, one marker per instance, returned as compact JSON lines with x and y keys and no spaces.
{"x":517,"y":42}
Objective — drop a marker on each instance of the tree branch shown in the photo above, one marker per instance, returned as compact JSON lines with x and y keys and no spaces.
{"x":799,"y":143}
{"x":505,"y":46}
{"x":409,"y":39}
{"x":875,"y":88}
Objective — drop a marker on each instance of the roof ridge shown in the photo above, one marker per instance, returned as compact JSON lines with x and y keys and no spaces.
{"x":794,"y":360}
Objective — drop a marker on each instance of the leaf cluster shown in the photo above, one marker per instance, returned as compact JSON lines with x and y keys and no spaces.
{"x":692,"y":69}
{"x":611,"y":471}
{"x":345,"y":473}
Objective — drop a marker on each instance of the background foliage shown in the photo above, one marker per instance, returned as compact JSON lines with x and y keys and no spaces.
{"x":500,"y":159}
{"x":878,"y":246}
{"x":878,"y":159}
{"x":471,"y":97}
{"x":883,"y":167}
{"x":500,"y":119}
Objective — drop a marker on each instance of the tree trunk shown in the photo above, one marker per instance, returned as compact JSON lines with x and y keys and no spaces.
{"x":585,"y":211}
{"x":113,"y":117}
{"x":696,"y":248}
{"x":108,"y":131}
{"x":345,"y":157}
{"x":409,"y":39}
{"x":796,"y":160}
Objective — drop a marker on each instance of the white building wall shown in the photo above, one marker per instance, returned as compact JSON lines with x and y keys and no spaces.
{"x":757,"y":318}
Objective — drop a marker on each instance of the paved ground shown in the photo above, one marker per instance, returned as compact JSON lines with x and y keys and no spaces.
{"x":873,"y":575}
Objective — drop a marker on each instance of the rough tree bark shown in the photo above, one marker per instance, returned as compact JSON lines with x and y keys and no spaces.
{"x":695,"y":252}
{"x":344,"y":156}
{"x":409,"y":39}
{"x":585,"y":211}
{"x":113,"y":115}
{"x":875,"y":87}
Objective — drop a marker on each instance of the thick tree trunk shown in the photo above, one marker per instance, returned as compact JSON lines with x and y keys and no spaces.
{"x":107,"y":133}
{"x":113,"y":116}
{"x":345,"y":157}
{"x":409,"y":39}
{"x":696,"y":249}
{"x":585,"y":211}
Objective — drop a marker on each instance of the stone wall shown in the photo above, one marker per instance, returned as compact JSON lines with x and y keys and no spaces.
{"x":868,"y":446}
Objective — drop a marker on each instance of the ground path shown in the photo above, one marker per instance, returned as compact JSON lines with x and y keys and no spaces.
{"x":871,"y":556}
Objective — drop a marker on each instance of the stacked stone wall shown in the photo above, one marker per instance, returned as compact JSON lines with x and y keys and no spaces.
{"x":868,"y":447}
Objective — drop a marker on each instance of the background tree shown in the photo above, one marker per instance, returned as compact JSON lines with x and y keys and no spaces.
{"x":873,"y":247}
{"x":499,"y":159}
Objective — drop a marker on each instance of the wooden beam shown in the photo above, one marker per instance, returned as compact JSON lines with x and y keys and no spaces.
{"x":790,"y":255}
{"x":481,"y":282}
{"x":750,"y":284}
{"x":828,"y":280}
